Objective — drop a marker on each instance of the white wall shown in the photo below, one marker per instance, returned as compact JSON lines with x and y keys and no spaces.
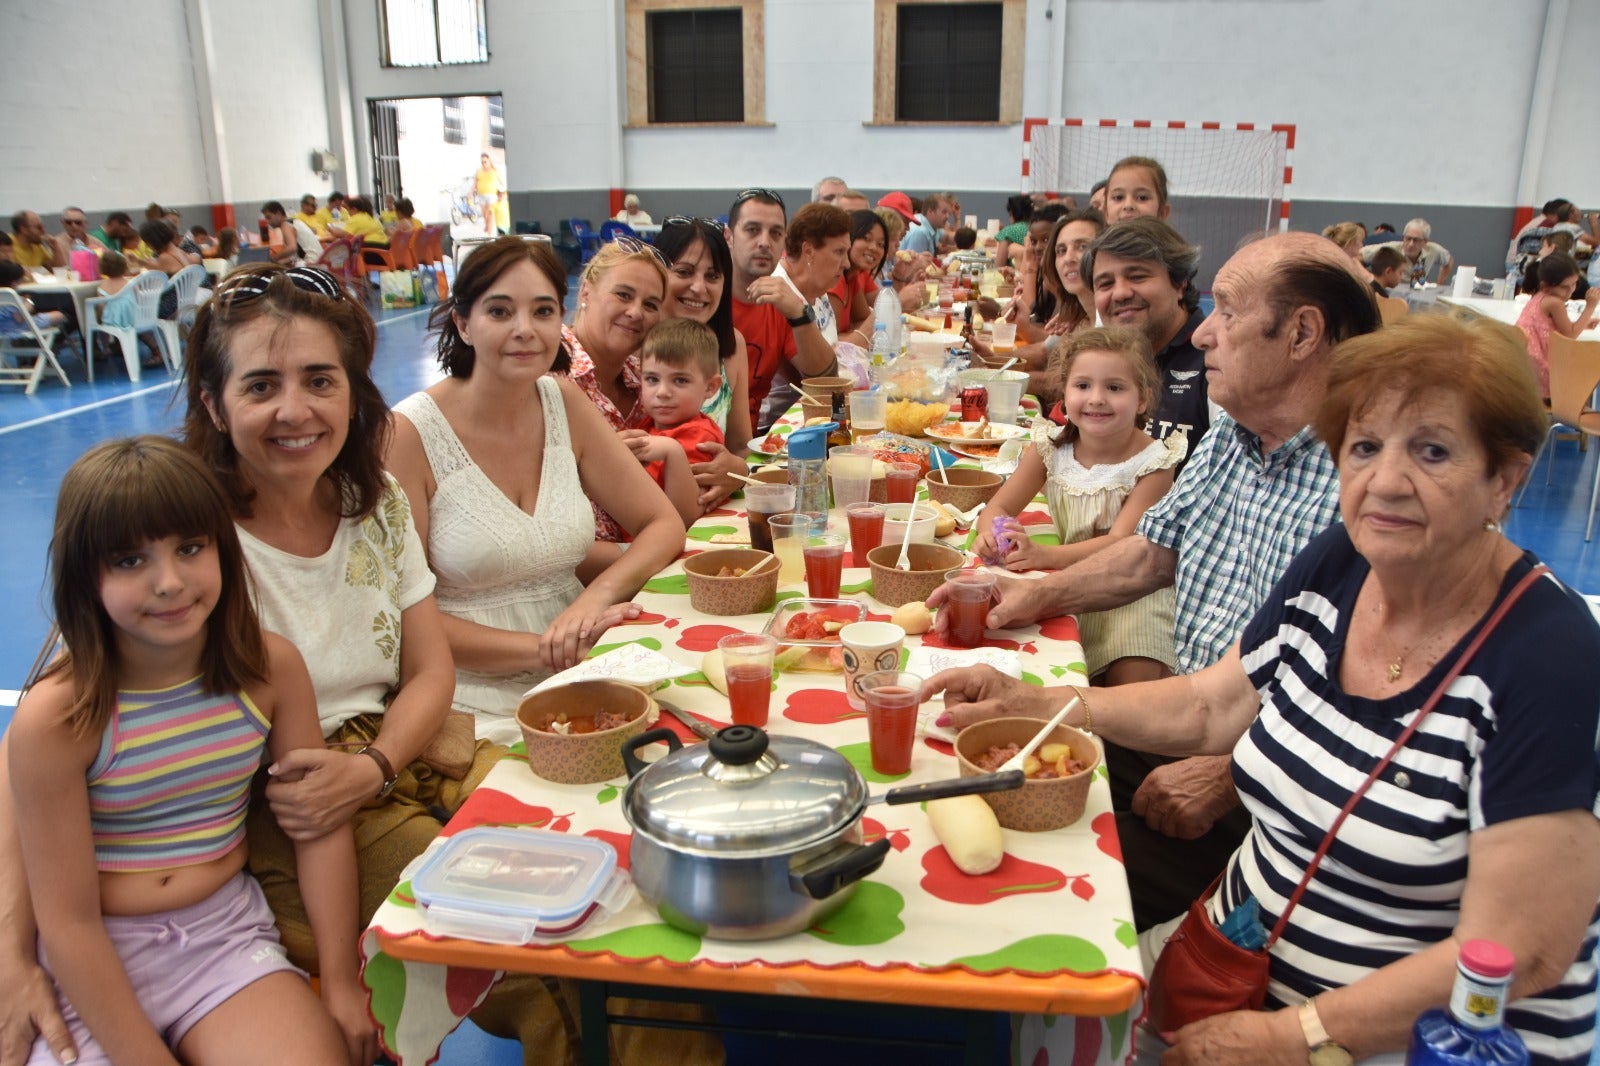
{"x":1570,"y":162}
{"x":121,"y":126}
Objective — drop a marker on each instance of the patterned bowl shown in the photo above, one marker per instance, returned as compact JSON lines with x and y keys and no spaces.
{"x":929,"y":562}
{"x":967,"y":488}
{"x":1038,"y":805}
{"x":582,"y":758}
{"x":710,"y":594}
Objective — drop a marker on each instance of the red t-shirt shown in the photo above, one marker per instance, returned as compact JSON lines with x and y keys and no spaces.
{"x":845,"y":290}
{"x":698,"y":430}
{"x":768,"y":341}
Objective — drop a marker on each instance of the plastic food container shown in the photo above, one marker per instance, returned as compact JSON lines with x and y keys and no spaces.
{"x":505,"y":885}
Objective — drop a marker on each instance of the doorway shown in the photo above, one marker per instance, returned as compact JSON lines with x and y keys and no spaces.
{"x":447,"y":154}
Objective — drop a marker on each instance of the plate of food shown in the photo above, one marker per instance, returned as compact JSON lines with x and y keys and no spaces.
{"x":814,"y":622}
{"x":773,"y":444}
{"x":983,"y":434}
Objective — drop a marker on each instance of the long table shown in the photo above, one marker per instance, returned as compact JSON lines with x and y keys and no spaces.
{"x":1507,"y":311}
{"x":1050,"y":933}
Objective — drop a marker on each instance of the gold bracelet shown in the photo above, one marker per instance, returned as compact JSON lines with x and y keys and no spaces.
{"x":1088,"y":719}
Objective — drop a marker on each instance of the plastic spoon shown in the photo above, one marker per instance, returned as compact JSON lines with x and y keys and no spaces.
{"x":1015,"y":762}
{"x":904,"y":562}
{"x":1009,"y":363}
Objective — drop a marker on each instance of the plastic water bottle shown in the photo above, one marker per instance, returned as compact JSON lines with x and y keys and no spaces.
{"x":1512,"y":281}
{"x":881,"y":353}
{"x":1472,"y":1031}
{"x":886,"y":312}
{"x":808,"y":467}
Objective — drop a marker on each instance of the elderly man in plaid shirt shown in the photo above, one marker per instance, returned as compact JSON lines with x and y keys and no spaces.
{"x":1258,"y":487}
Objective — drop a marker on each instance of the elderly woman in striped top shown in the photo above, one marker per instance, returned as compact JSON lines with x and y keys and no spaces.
{"x":1484,"y":822}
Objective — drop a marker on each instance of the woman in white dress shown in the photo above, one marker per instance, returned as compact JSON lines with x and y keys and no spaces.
{"x":500,"y":461}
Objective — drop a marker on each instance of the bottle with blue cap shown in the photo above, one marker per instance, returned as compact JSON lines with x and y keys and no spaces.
{"x":808,"y":467}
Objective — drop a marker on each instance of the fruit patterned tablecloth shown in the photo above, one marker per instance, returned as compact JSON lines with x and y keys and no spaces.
{"x":1058,"y":903}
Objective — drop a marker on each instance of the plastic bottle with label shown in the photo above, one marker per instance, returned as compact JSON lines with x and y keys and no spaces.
{"x":886,"y":311}
{"x":1472,"y":1031}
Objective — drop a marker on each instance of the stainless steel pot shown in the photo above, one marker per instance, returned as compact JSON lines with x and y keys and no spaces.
{"x":751,"y":836}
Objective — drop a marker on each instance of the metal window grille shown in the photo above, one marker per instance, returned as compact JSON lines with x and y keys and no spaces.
{"x":947,"y":62}
{"x":695,"y":65}
{"x":432,"y":33}
{"x":497,"y":122}
{"x":455,"y":126}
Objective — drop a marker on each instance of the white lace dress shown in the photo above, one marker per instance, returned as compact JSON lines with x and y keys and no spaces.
{"x":496,"y":564}
{"x":1084,"y":502}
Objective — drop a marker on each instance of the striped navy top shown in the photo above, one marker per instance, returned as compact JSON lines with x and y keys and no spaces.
{"x":171,"y":782}
{"x":1515,"y":735}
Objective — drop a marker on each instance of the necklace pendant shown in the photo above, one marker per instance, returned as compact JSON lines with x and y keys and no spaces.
{"x":1395,"y":667}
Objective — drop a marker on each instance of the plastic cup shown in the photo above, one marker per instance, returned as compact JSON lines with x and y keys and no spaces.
{"x":969,"y":593}
{"x":851,"y":468}
{"x":761,"y":502}
{"x":892,"y":698}
{"x":747,"y":663}
{"x":868,"y":411}
{"x":902,"y":482}
{"x":1003,"y":339}
{"x":868,"y":647}
{"x":866,"y":528}
{"x":790,"y":532}
{"x":824,"y":563}
{"x":1005,"y":394}
{"x":63,"y":274}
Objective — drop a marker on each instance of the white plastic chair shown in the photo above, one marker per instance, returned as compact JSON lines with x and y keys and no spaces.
{"x":34,"y":337}
{"x":146,"y":295}
{"x":186,"y":284}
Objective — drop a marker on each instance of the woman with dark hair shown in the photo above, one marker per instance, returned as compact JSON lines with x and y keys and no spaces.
{"x":1020,"y":208}
{"x":499,"y":461}
{"x":853,"y":294}
{"x":698,"y":268}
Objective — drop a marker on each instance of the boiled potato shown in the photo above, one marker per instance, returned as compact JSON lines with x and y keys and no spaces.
{"x":913,"y":617}
{"x":969,"y":831}
{"x":711,"y":666}
{"x":1031,"y":765}
{"x":1053,"y":752}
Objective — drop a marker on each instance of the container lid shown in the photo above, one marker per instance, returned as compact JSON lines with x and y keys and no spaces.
{"x":745,"y":794}
{"x":810,"y":442}
{"x":509,"y":885}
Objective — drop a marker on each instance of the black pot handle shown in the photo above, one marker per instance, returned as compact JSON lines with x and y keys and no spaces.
{"x":636,"y":765}
{"x":956,"y":786}
{"x":844,"y":869}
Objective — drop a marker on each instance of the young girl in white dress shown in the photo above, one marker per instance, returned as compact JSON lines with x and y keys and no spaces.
{"x":1100,"y":472}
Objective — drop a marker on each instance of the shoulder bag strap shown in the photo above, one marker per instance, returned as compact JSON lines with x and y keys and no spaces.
{"x":1455,"y":671}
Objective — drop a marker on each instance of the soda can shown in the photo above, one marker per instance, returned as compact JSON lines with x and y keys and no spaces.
{"x":974,"y":403}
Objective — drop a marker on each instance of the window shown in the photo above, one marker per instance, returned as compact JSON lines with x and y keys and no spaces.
{"x":455,"y":126}
{"x":432,"y":33}
{"x":947,"y":61}
{"x":497,"y":122}
{"x":694,"y":61}
{"x":947,"y":64}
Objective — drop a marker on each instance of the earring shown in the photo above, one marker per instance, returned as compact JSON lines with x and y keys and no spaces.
{"x":1491,"y":526}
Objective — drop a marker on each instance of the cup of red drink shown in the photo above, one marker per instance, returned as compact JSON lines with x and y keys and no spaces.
{"x":902,"y":482}
{"x":824,"y":561}
{"x":892,"y":698}
{"x":747,"y":664}
{"x":866,"y":529}
{"x":968,"y":594}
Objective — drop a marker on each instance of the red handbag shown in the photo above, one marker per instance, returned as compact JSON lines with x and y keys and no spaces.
{"x":1200,"y":972}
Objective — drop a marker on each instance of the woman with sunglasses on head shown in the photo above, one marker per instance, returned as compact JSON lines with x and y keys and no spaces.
{"x":497,"y":460}
{"x":699,"y":266}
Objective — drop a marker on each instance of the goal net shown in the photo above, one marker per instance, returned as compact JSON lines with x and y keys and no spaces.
{"x":1226,"y":182}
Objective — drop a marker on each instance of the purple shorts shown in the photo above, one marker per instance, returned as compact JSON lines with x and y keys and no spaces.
{"x":183,"y":964}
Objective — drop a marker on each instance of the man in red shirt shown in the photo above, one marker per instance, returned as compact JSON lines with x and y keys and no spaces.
{"x":780,"y":329}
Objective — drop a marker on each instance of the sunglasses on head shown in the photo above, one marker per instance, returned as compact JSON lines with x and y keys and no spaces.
{"x":685,"y":220}
{"x":306,"y":279}
{"x":759,"y":194}
{"x":634,"y":246}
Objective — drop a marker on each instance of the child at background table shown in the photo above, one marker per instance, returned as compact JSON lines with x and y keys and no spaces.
{"x":131,"y":763}
{"x":12,"y":322}
{"x":1100,"y":472}
{"x":1546,"y":312}
{"x":679,"y":370}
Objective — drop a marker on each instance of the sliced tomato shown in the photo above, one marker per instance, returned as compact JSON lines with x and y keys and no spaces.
{"x":796,"y":626}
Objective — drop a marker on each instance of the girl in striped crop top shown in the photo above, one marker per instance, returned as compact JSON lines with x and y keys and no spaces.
{"x":131,"y":763}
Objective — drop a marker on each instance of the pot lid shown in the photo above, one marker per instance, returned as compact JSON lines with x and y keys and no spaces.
{"x":745,"y":794}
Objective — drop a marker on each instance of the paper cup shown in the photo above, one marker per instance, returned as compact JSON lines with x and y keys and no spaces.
{"x":868,"y":648}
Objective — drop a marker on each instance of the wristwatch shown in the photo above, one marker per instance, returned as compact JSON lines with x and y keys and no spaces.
{"x":1321,"y":1049}
{"x":808,"y":314}
{"x":385,"y":767}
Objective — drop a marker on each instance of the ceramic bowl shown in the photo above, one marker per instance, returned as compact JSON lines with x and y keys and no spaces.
{"x":929,"y":564}
{"x":1039,"y":804}
{"x":710,"y":594}
{"x":582,"y":758}
{"x":967,"y":488}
